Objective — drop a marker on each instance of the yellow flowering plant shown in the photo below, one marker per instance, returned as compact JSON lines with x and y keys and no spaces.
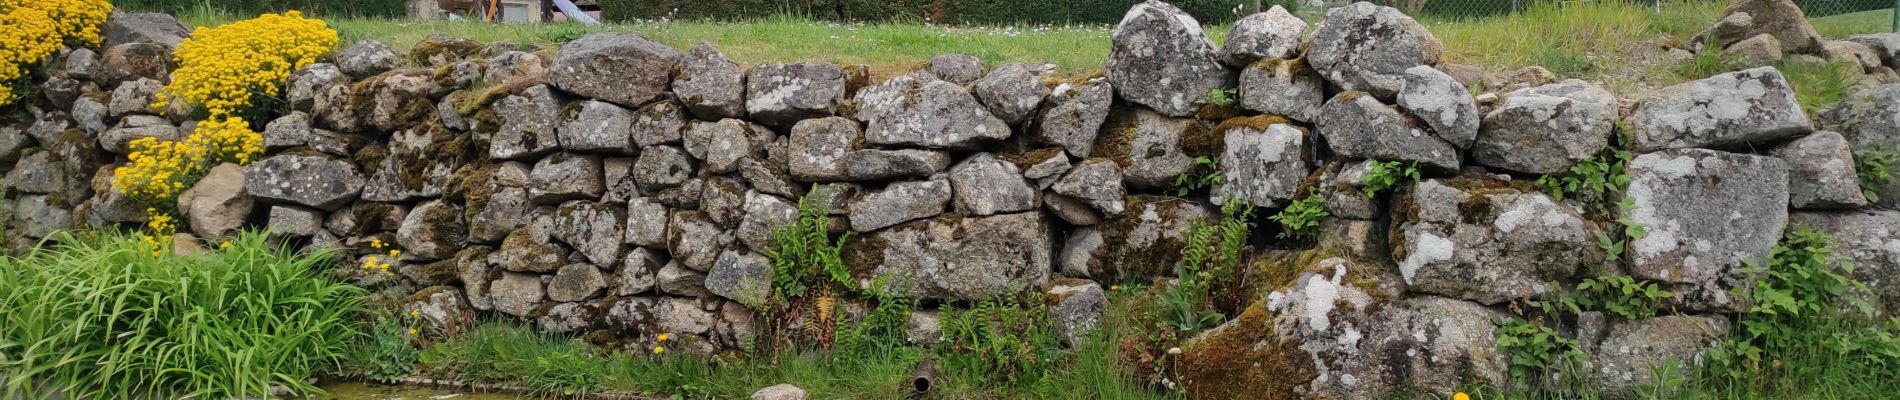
{"x":36,"y":29}
{"x":227,"y":69}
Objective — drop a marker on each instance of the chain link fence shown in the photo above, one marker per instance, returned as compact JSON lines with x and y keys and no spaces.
{"x":1461,"y":9}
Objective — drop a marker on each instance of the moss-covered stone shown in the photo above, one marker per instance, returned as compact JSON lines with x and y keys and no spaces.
{"x":1245,"y":359}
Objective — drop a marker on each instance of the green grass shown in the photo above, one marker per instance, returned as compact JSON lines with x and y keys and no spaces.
{"x":101,"y":317}
{"x":504,"y":353}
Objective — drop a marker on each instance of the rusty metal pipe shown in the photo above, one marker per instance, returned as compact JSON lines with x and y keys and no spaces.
{"x":923,"y":377}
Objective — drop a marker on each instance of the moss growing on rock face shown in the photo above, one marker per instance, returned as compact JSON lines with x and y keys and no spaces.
{"x":1115,"y":140}
{"x":1245,"y":359}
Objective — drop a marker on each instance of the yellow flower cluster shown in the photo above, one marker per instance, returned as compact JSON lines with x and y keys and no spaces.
{"x":160,"y":169}
{"x":379,"y":264}
{"x":158,"y":232}
{"x":223,"y":68}
{"x":35,"y":29}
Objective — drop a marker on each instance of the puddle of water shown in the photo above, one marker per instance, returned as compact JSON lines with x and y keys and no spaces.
{"x":366,"y":391}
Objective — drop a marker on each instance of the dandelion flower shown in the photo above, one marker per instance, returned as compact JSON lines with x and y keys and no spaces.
{"x":1460,"y":396}
{"x":659,"y":350}
{"x":412,"y":331}
{"x":663,"y":337}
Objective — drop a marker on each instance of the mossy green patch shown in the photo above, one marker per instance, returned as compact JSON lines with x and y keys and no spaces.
{"x":1246,"y":358}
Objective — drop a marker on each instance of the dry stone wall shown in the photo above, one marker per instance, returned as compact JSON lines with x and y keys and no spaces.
{"x":619,"y":188}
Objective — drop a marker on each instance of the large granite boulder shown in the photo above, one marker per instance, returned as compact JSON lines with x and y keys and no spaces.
{"x":1282,"y":87}
{"x":1692,"y":242}
{"x":1275,"y":33}
{"x":1261,"y":165}
{"x":1367,"y":48}
{"x":1725,"y":111}
{"x":1161,"y":59}
{"x":1484,"y":241}
{"x":958,"y":258}
{"x":711,"y":85}
{"x":1442,"y":103}
{"x":1547,"y":129}
{"x":216,"y":206}
{"x":619,"y":68}
{"x":304,"y":179}
{"x":1780,"y":18}
{"x":1821,"y":172}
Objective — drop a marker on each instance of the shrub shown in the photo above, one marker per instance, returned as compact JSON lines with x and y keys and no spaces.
{"x":101,"y":318}
{"x":35,"y":29}
{"x":326,"y":8}
{"x":968,"y":12}
{"x":229,"y":69}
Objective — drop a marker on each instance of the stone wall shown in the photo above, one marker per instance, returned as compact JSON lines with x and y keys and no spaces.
{"x":619,"y":188}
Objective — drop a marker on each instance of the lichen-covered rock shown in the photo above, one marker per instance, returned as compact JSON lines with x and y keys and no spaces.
{"x":1356,"y":125}
{"x":439,"y":49}
{"x":639,"y":272}
{"x":878,"y":164}
{"x":711,"y":85}
{"x":678,"y":280}
{"x":565,"y":176}
{"x":1781,"y":19}
{"x":569,"y":317}
{"x":956,"y":68}
{"x":695,"y":239}
{"x":287,"y":222}
{"x":1696,"y":243}
{"x":1075,"y":116}
{"x":308,"y":180}
{"x":418,"y":163}
{"x":1870,"y":120}
{"x":1547,"y":129}
{"x":1367,"y":48}
{"x":661,"y":167}
{"x":432,"y":231}
{"x":216,"y":207}
{"x":367,"y":58}
{"x":1870,"y":239}
{"x":1442,"y":103}
{"x":1484,"y":241}
{"x":818,"y":146}
{"x":473,"y":270}
{"x":1011,"y":92}
{"x":39,"y":172}
{"x":918,"y":110}
{"x":1821,"y":172}
{"x":986,"y":185}
{"x":1282,"y":87}
{"x":619,"y":68}
{"x":723,"y":200}
{"x":1077,"y":310}
{"x":1887,"y":45}
{"x":289,"y":131}
{"x":1262,"y":166}
{"x":39,"y":215}
{"x":1723,"y":111}
{"x":1149,"y":147}
{"x":720,"y":145}
{"x":497,"y":202}
{"x":307,"y":84}
{"x":743,"y":276}
{"x":133,"y":61}
{"x":769,"y":178}
{"x":395,"y":100}
{"x":646,"y":223}
{"x":134,"y":127}
{"x":528,"y":122}
{"x":529,"y":249}
{"x":1842,"y":51}
{"x":518,"y":294}
{"x":576,"y":282}
{"x":1161,"y":59}
{"x":994,"y":256}
{"x":1632,"y":349}
{"x":598,"y":127}
{"x":133,"y":97}
{"x":1144,"y":241}
{"x":149,"y":27}
{"x":1275,"y":33}
{"x":783,"y":94}
{"x":764,"y":213}
{"x":659,"y":123}
{"x":592,"y":229}
{"x":898,"y":203}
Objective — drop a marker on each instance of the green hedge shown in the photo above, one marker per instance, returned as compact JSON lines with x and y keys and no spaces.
{"x":327,"y":8}
{"x":961,"y":12}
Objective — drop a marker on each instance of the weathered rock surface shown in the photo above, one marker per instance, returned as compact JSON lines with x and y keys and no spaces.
{"x":528,"y":123}
{"x":741,"y":276}
{"x":1480,"y":240}
{"x":1696,"y":243}
{"x":783,"y":94}
{"x":1821,"y":172}
{"x":1547,"y":129}
{"x":1097,"y":183}
{"x":711,"y":85}
{"x":918,"y":110}
{"x":1287,"y":88}
{"x":1079,"y":305}
{"x":366,"y":59}
{"x":592,"y":230}
{"x":1011,"y":92}
{"x":986,"y":185}
{"x":1161,"y":59}
{"x":133,"y":27}
{"x":518,"y":294}
{"x":217,"y":206}
{"x":1149,"y":147}
{"x":599,"y":127}
{"x":565,"y":176}
{"x":898,"y":203}
{"x":1356,"y":125}
{"x":432,"y":231}
{"x":1631,"y":350}
{"x":996,"y":255}
{"x":576,"y":282}
{"x":956,"y":68}
{"x":1075,"y":116}
{"x":619,"y":68}
{"x":1262,"y":166}
{"x":1723,"y":111}
{"x":877,"y":164}
{"x":1367,"y":48}
{"x":1781,"y":19}
{"x":1870,"y":239}
{"x":1275,"y":33}
{"x":1870,"y":120}
{"x":818,"y":147}
{"x":1443,"y":104}
{"x":1144,"y":241}
{"x":639,"y":272}
{"x":303,"y":179}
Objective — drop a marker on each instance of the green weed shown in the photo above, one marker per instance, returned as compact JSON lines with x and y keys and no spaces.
{"x":1618,"y":295}
{"x":1543,"y":362}
{"x":1301,"y":218}
{"x":1876,"y":169}
{"x":1203,"y":174}
{"x":1389,"y":174}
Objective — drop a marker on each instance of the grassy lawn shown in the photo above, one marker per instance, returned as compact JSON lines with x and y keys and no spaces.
{"x":1612,"y":42}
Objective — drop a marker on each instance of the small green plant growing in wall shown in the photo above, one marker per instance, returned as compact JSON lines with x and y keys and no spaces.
{"x":1209,"y":269}
{"x":1618,"y":295}
{"x":1876,"y":168}
{"x":1204,"y":173}
{"x":808,"y":276}
{"x":1389,"y":174}
{"x":1592,"y":180}
{"x":1223,"y":97}
{"x":1301,"y":218}
{"x":1535,"y":351}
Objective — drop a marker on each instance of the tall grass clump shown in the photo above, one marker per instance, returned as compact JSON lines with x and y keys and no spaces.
{"x":97,"y":316}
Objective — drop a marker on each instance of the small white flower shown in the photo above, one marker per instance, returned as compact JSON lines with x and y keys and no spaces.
{"x":1174,"y":351}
